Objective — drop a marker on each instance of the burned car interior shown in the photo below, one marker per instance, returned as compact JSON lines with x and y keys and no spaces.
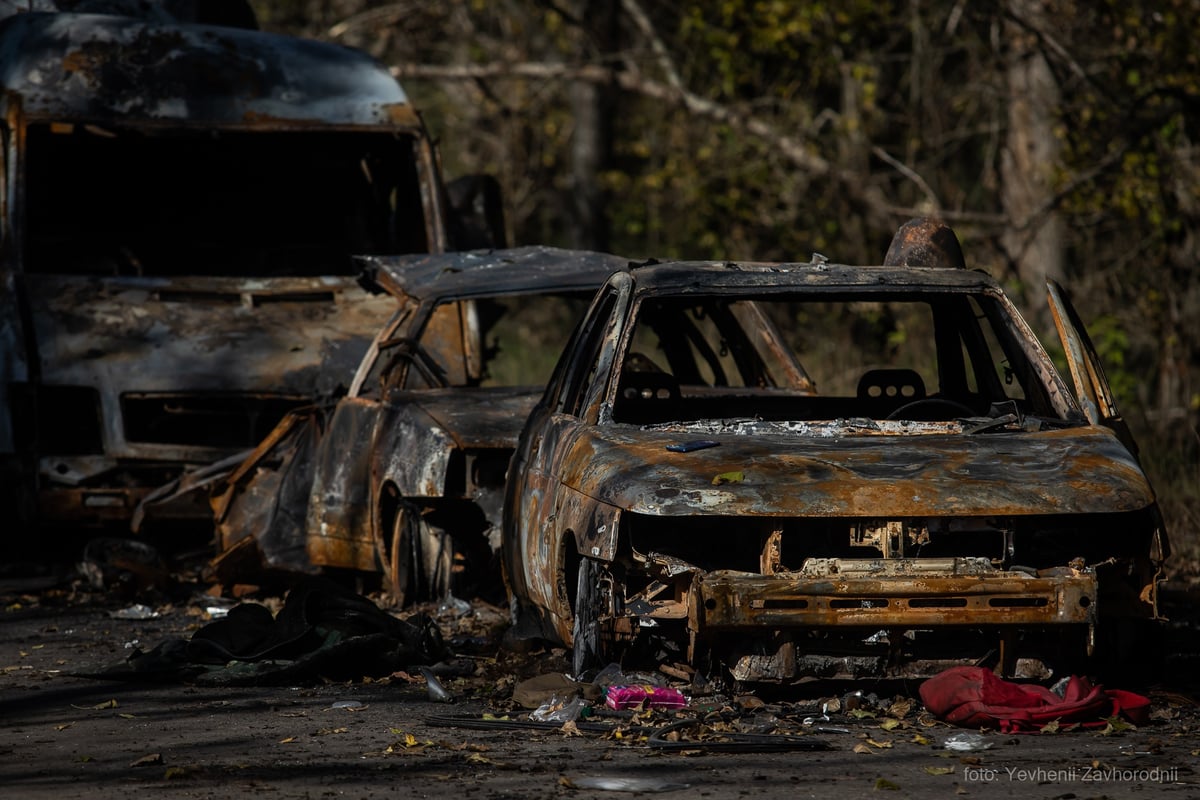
{"x":928,"y":359}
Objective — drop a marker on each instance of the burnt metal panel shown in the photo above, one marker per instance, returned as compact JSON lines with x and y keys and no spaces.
{"x":97,"y":67}
{"x":739,"y":600}
{"x":517,"y":270}
{"x":790,"y":471}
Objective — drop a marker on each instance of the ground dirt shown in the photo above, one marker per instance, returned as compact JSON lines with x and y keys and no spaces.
{"x":66,"y":737}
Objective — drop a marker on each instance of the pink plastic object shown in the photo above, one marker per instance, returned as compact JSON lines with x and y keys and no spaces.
{"x":621,"y":698}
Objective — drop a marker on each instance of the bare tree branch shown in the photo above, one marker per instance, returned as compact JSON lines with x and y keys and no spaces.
{"x":372,"y":17}
{"x":911,"y":174}
{"x":630,"y":81}
{"x":635,"y":12}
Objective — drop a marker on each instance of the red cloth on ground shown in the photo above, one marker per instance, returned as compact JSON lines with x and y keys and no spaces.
{"x":974,"y":697}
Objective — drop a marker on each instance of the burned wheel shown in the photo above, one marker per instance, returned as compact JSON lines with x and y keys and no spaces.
{"x":396,"y":556}
{"x":588,"y":650}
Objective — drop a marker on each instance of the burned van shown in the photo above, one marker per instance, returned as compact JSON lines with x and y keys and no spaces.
{"x":180,"y":203}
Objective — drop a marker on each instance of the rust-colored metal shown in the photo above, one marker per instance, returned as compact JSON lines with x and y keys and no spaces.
{"x":397,"y":475}
{"x":732,"y":600}
{"x":794,"y":533}
{"x":925,"y":242}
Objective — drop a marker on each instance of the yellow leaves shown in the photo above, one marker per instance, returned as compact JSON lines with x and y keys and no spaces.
{"x":736,"y":476}
{"x":98,"y":707}
{"x":1115,"y":725}
{"x":476,"y":758}
{"x":938,"y":770}
{"x":330,"y":731}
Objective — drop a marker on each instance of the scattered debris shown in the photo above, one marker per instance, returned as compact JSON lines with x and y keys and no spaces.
{"x":138,"y":611}
{"x":322,"y":631}
{"x":641,"y":697}
{"x":437,"y":692}
{"x":348,"y":705}
{"x":608,"y":783}
{"x":966,"y":742}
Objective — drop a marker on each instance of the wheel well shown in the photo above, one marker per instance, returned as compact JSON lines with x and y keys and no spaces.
{"x":389,"y":504}
{"x":570,"y":558}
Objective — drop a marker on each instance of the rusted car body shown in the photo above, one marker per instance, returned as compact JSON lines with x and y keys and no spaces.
{"x":403,"y":476}
{"x":180,"y":207}
{"x":890,"y":478}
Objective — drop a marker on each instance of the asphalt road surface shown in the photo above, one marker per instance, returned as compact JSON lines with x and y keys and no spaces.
{"x":65,"y":737}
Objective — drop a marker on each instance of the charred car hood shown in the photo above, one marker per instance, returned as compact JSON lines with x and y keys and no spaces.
{"x":771,"y":472}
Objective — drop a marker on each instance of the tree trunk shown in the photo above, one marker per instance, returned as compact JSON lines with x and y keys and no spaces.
{"x":1033,"y":240}
{"x":591,"y":145}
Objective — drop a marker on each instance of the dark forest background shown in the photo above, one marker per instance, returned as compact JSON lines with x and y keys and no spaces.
{"x":1056,"y":137}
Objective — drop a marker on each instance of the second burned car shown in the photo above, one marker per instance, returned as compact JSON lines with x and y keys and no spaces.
{"x":819,"y":470}
{"x":403,"y":475}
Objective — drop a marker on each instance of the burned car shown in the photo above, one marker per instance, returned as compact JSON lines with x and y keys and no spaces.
{"x":816,"y":470}
{"x":403,"y":475}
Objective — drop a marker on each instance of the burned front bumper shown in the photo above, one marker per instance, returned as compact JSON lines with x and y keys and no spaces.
{"x":850,"y":618}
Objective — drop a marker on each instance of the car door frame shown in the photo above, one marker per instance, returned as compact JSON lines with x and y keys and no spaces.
{"x":1092,"y":390}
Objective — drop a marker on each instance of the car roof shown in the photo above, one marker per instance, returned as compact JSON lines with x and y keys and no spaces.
{"x":519,"y":270}
{"x":696,"y":276}
{"x":103,"y":67}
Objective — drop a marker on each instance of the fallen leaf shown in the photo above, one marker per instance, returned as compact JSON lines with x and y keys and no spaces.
{"x":98,"y":706}
{"x":126,"y":716}
{"x":1116,"y":725}
{"x":736,"y":476}
{"x":919,"y":739}
{"x":152,"y":759}
{"x":1050,"y":727}
{"x":330,"y":731}
{"x":881,"y":745}
{"x":569,"y":728}
{"x":476,"y":758}
{"x":860,"y":713}
{"x":174,"y":773}
{"x":939,"y":770}
{"x":288,"y":740}
{"x":886,"y":785}
{"x":890,"y":724}
{"x":862,"y":748}
{"x":900,"y":708}
{"x":64,"y":726}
